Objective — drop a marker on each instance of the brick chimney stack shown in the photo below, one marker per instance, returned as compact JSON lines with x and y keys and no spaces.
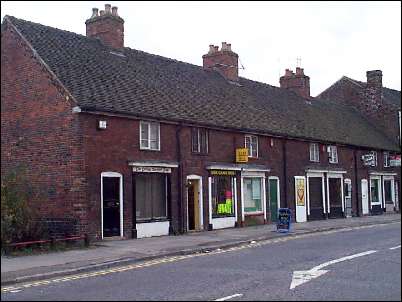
{"x":107,"y":26}
{"x":225,"y":61}
{"x":373,"y":91}
{"x":374,"y":78}
{"x":297,"y":82}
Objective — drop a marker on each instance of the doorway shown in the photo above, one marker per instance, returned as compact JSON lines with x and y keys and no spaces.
{"x":376,"y":195}
{"x":111,"y":204}
{"x":335,"y":197}
{"x":389,"y":194}
{"x":194,"y":203}
{"x":316,"y":198}
{"x":365,"y":203}
{"x":274,"y":200}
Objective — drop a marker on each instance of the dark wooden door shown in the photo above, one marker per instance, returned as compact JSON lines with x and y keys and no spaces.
{"x":190,"y":198}
{"x":316,"y":198}
{"x":273,"y":199}
{"x":335,"y":197}
{"x":111,"y":206}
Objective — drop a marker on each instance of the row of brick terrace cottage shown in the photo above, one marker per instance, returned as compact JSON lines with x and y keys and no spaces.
{"x":124,"y":143}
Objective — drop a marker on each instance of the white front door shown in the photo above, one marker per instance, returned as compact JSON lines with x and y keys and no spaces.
{"x":365,"y":205}
{"x":300,"y":198}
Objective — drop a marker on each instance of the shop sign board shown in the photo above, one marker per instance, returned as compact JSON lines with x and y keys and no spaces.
{"x":152,"y":170}
{"x":242,"y":155}
{"x":395,"y":160}
{"x":222,"y":173}
{"x":368,"y":160}
{"x":284,"y":220}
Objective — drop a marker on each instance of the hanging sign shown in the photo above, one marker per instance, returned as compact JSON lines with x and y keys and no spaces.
{"x":368,"y":160}
{"x":241,"y":155}
{"x":395,"y":160}
{"x":284,"y":220}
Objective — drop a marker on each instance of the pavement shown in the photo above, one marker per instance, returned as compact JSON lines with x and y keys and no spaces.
{"x":108,"y":253}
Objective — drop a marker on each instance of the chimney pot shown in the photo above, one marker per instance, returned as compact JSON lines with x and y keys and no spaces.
{"x":114,"y":11}
{"x":108,"y":8}
{"x":110,"y":31}
{"x":225,"y":61}
{"x":299,"y":84}
{"x":94,"y":12}
{"x":224,"y":46}
{"x":288,"y":72}
{"x":299,"y":71}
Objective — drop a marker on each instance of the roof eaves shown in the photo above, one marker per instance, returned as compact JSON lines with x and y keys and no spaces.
{"x":102,"y":111}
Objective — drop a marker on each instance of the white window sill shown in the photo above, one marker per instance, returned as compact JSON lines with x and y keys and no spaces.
{"x":148,"y":149}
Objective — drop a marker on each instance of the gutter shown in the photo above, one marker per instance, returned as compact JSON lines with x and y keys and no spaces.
{"x":92,"y":110}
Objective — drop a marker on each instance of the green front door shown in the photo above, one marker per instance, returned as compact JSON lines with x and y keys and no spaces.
{"x":273,"y":199}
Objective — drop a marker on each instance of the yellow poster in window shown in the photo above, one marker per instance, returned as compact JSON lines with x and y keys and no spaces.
{"x":300,"y":192}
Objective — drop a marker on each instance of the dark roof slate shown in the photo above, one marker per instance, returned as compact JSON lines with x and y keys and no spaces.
{"x":147,"y":85}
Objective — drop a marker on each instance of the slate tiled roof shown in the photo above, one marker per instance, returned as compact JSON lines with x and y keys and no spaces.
{"x":146,"y":85}
{"x":391,"y":97}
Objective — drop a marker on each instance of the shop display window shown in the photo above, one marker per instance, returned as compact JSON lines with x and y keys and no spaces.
{"x":222,"y":197}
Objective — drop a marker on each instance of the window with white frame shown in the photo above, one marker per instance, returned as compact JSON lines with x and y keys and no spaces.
{"x":199,"y":140}
{"x":149,"y":136}
{"x":251,"y":143}
{"x":314,"y":152}
{"x":374,"y":153}
{"x":333,"y":154}
{"x":386,"y":159}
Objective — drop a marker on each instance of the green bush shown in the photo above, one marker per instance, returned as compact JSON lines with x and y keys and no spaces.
{"x":18,"y":220}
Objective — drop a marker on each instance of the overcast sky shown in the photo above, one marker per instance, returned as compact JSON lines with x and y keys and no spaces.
{"x":331,"y":38}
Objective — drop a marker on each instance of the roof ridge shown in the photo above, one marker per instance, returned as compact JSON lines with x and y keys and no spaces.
{"x":50,"y":27}
{"x":137,"y":50}
{"x":158,"y":89}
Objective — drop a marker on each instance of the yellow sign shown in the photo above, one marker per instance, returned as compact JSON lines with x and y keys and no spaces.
{"x":223,"y":172}
{"x":300,"y":194}
{"x":242,"y":155}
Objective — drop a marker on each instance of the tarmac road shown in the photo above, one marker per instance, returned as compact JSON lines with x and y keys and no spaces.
{"x":254,"y":272}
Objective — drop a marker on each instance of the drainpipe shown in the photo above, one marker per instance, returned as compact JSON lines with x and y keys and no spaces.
{"x":285,"y":173}
{"x":357,"y":183}
{"x":179,"y":179}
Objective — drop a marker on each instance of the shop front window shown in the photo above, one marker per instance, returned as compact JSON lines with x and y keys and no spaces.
{"x":150,"y":196}
{"x":252,"y":195}
{"x":375,"y":190}
{"x":388,"y":191}
{"x":222,"y":196}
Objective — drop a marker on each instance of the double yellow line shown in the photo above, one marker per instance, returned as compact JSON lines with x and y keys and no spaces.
{"x":149,"y":263}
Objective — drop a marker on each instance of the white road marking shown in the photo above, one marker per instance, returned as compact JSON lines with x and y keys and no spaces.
{"x":229,"y":297}
{"x":395,"y":247}
{"x":178,"y":258}
{"x":300,"y":277}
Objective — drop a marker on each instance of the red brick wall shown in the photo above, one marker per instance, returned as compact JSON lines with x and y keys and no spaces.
{"x":111,"y":150}
{"x":40,"y":132}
